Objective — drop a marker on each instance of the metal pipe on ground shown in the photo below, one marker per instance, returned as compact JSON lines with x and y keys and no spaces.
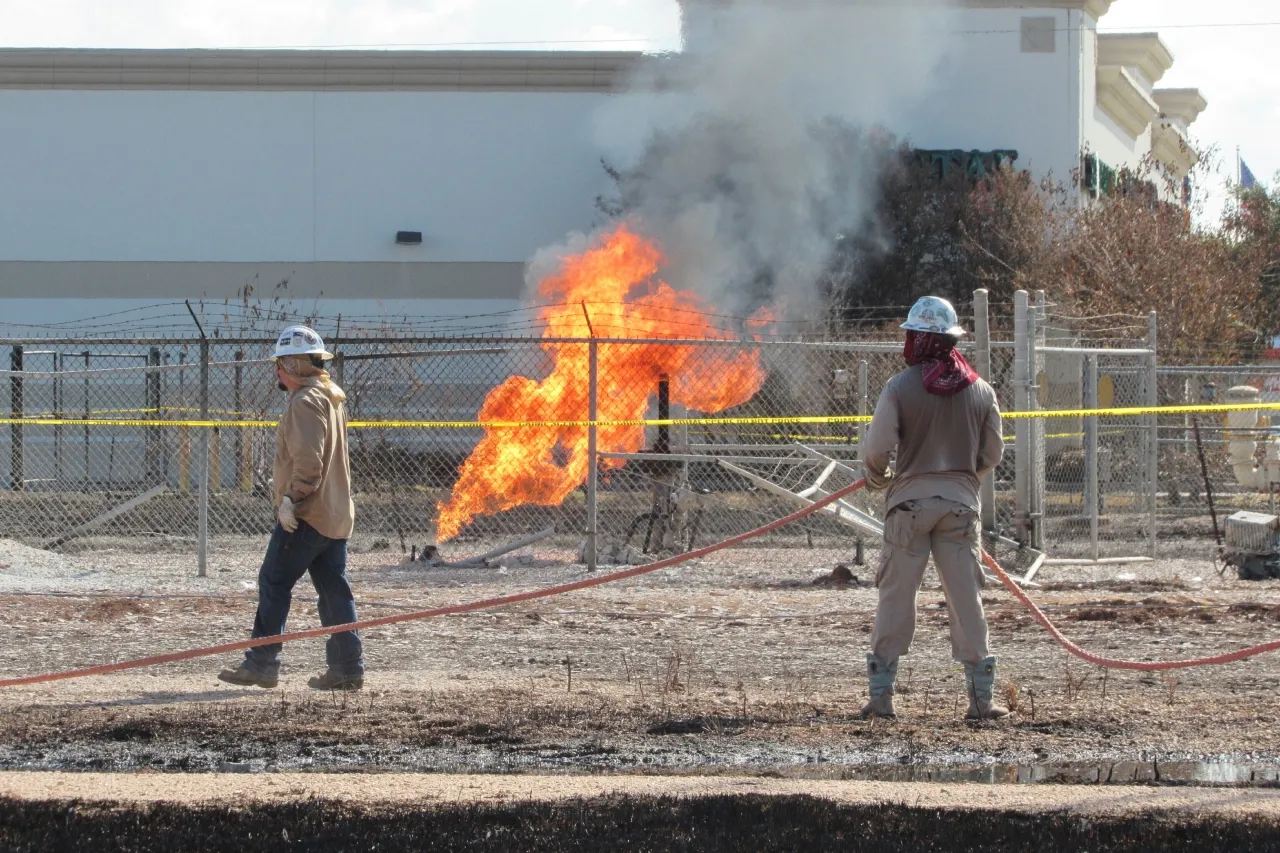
{"x":1101,"y":561}
{"x":531,"y":539}
{"x":114,"y":512}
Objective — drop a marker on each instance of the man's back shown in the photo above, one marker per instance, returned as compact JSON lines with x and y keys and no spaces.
{"x":311,"y":462}
{"x":944,"y":443}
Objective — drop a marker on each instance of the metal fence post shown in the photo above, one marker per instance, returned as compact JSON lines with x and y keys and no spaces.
{"x":184,"y":433}
{"x":1153,"y":452}
{"x":1037,"y":325}
{"x":1190,"y":396}
{"x":202,"y":548}
{"x":590,"y":555}
{"x":17,"y":478}
{"x":1022,"y":426}
{"x":154,"y":436}
{"x":1091,"y":452}
{"x":88,"y":479}
{"x":58,"y":416}
{"x":982,"y":341}
{"x":243,"y":482}
{"x":339,"y":368}
{"x":864,"y":405}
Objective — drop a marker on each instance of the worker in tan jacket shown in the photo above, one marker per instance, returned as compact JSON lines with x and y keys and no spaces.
{"x":944,"y":424}
{"x":315,"y":517}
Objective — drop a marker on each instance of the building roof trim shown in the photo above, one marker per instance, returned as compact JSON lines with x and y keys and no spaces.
{"x":1122,"y":97}
{"x":1184,"y":105}
{"x":1144,"y":51}
{"x":312,"y":70}
{"x":1172,"y":149}
{"x":1096,"y":8}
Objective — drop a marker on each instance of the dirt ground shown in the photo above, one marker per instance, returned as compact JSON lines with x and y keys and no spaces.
{"x":388,"y":789}
{"x":737,"y":664}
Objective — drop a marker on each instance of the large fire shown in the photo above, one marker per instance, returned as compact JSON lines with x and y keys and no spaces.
{"x":615,"y":284}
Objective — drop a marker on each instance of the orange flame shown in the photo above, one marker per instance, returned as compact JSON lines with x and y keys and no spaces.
{"x":615,"y":283}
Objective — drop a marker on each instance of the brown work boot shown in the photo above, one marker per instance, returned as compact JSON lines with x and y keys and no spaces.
{"x":981,"y":682}
{"x":243,"y":676}
{"x":880,"y":679}
{"x":331,"y":680}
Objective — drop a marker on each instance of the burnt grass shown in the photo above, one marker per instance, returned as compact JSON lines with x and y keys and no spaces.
{"x":731,"y":669}
{"x":714,"y":823}
{"x":670,"y":713}
{"x":506,"y":731}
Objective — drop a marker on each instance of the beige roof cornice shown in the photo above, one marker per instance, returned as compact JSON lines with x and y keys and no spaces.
{"x":1179,"y":108}
{"x":1170,"y":146}
{"x":1144,"y":51}
{"x":1096,"y":8}
{"x":1182,"y":104}
{"x":1125,"y":99}
{"x":312,"y":70}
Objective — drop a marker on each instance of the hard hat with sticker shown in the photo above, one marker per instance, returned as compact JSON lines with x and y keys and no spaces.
{"x":933,"y":314}
{"x":300,"y":340}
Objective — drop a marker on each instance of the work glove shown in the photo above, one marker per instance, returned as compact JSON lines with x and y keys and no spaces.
{"x":878,"y":483}
{"x":285,"y":515}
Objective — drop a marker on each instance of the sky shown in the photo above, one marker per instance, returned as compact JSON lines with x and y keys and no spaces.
{"x":1232,"y":65}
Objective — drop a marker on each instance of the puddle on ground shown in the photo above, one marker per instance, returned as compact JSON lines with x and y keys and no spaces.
{"x":1204,"y":773}
{"x":744,"y":759}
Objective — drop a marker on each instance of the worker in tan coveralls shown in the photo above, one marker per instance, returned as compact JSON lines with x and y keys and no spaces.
{"x":314,"y":515}
{"x":944,"y":423}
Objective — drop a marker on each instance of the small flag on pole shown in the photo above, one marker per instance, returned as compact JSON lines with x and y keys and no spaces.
{"x":1247,"y":179}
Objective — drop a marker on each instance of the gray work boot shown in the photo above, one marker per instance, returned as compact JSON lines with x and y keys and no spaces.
{"x":981,"y":682}
{"x":243,"y":676}
{"x":331,"y":680}
{"x":880,"y":678}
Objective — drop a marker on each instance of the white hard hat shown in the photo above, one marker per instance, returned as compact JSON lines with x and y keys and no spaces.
{"x":933,"y":314}
{"x":300,"y":340}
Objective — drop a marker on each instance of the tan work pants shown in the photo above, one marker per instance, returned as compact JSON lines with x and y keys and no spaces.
{"x":911,"y":531}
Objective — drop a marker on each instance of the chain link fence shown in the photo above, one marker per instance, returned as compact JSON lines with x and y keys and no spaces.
{"x":461,"y":446}
{"x":1197,"y":479}
{"x":107,"y":441}
{"x":1097,"y":470}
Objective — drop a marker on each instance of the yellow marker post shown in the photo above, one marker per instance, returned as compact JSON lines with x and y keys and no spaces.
{"x":215,"y":462}
{"x":245,"y":468}
{"x":184,"y":459}
{"x":1106,"y":392}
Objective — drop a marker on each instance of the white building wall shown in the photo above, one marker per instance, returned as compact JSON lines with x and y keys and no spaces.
{"x":130,"y":196}
{"x":1113,"y":144}
{"x":993,"y":95}
{"x":484,"y":176}
{"x":1103,"y":135}
{"x":198,"y":176}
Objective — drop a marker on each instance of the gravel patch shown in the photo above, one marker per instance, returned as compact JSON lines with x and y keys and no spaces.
{"x":25,"y":568}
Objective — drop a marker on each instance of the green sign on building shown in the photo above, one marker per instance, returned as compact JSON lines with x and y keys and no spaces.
{"x":975,"y":164}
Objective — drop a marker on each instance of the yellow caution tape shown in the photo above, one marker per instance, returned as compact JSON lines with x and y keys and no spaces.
{"x":1046,"y":414}
{"x":76,"y":417}
{"x":141,"y":422}
{"x":853,"y":439}
{"x":1136,"y":411}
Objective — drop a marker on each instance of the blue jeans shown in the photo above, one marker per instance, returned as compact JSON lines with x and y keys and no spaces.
{"x":289,"y":557}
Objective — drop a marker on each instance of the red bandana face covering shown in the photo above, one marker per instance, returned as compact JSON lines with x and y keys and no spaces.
{"x":944,"y":370}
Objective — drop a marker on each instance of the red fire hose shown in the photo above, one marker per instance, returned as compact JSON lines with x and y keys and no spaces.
{"x":489,"y":603}
{"x":486,"y":604}
{"x":1112,"y":663}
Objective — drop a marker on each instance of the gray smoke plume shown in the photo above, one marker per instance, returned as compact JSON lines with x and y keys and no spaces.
{"x":752,"y":153}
